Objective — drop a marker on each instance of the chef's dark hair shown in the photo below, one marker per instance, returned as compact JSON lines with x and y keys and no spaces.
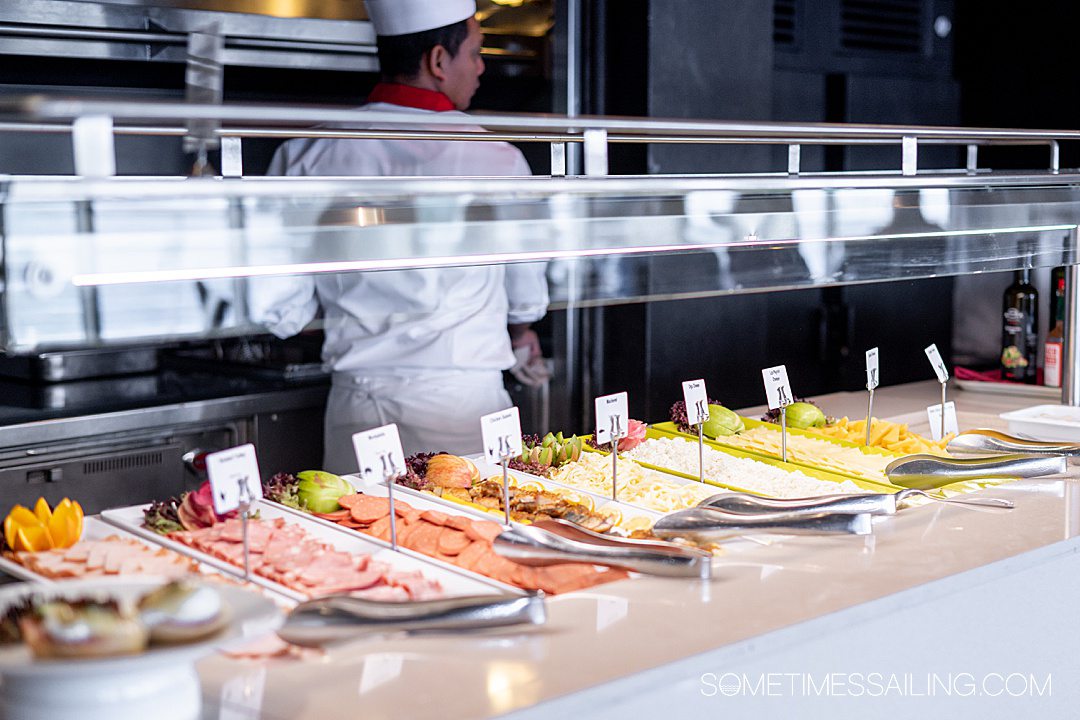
{"x":400,"y":55}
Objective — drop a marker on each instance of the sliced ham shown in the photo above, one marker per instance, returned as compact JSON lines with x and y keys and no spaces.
{"x":291,"y":557}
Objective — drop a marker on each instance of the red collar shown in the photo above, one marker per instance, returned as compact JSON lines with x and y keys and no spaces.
{"x":409,"y":96}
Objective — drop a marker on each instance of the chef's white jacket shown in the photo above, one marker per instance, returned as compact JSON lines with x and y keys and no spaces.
{"x":411,"y":319}
{"x":415,"y":324}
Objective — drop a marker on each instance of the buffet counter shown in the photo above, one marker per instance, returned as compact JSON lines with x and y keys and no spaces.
{"x":944,"y":611}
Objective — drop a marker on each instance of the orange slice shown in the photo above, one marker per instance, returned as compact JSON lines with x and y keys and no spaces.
{"x":22,"y":516}
{"x":10,"y":526}
{"x":61,"y":526}
{"x":32,"y":539}
{"x":42,"y":511}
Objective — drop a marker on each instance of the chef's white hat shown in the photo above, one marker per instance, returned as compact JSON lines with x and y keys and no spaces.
{"x":403,"y":17}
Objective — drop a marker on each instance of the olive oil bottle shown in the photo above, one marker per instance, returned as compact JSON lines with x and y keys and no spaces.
{"x":1019,"y":329}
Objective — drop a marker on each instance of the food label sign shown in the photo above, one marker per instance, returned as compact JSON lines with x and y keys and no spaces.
{"x":777,"y":388}
{"x":934,"y":357}
{"x":951,"y":424}
{"x":612,"y":417}
{"x":379,"y":453}
{"x":502,"y":434}
{"x":234,"y":478}
{"x":872,"y":377}
{"x":697,"y":402}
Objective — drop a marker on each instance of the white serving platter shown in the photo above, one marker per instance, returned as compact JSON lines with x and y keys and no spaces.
{"x":93,"y":529}
{"x":1009,"y":388}
{"x":453,"y":584}
{"x":1045,"y":422}
{"x":418,"y":501}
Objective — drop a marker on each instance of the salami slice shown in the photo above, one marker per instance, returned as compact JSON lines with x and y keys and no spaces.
{"x":483,"y":530}
{"x":367,"y":509}
{"x":452,"y":542}
{"x":435,"y":517}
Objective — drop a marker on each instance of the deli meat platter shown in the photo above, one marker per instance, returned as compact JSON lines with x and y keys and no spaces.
{"x":102,"y":551}
{"x":309,"y":559}
{"x":418,"y":502}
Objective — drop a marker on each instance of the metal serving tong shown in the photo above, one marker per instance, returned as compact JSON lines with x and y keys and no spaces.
{"x":841,"y":503}
{"x":926,"y":472}
{"x":991,"y":441}
{"x":553,"y":541}
{"x":340,"y":618}
{"x":711,"y":524}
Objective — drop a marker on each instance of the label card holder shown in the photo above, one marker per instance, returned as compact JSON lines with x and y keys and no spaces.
{"x":501,"y":432}
{"x":697,"y":402}
{"x":234,"y":473}
{"x":779,"y":396}
{"x":697,"y":414}
{"x":872,"y":380}
{"x":379,"y":454}
{"x":235,"y":483}
{"x":951,"y":424}
{"x":612,"y":422}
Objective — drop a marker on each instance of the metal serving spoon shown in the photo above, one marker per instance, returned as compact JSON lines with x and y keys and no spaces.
{"x":927,"y":472}
{"x":339,"y":618}
{"x":841,"y":503}
{"x":712,"y":524}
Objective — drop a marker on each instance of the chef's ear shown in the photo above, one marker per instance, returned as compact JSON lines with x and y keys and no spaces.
{"x":437,"y":59}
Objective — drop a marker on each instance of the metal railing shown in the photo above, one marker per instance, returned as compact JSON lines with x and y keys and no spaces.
{"x":120,"y":117}
{"x":94,"y":123}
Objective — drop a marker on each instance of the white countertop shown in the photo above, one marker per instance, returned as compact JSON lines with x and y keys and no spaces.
{"x":622,"y":635}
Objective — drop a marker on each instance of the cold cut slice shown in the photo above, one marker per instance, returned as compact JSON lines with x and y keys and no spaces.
{"x":452,"y":542}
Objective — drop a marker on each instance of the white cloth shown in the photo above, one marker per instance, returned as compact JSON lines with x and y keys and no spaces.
{"x":403,"y":17}
{"x":415,"y":325}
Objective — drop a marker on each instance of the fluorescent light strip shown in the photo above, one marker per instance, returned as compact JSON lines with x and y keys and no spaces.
{"x":144,"y":276}
{"x":215,"y":273}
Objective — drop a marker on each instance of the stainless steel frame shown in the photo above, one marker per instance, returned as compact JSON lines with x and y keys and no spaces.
{"x":43,"y":114}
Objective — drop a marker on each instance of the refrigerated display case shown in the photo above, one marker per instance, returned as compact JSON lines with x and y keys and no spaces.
{"x":92,"y":261}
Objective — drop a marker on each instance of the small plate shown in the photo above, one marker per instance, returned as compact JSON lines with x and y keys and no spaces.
{"x":160,"y":682}
{"x":250,"y":610}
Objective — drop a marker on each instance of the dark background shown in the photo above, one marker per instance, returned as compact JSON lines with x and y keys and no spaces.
{"x":1001,"y":64}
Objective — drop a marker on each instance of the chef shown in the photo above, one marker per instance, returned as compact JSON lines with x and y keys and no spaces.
{"x":421,"y":348}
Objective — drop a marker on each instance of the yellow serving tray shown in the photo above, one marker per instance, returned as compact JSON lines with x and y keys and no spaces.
{"x":661,"y":430}
{"x":669,"y":428}
{"x":963,"y":486}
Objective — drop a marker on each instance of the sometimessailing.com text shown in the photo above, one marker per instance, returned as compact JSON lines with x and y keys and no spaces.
{"x":874,"y":684}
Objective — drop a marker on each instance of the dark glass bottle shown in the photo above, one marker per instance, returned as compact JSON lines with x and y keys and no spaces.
{"x":1057,"y":286}
{"x":1020,"y":323}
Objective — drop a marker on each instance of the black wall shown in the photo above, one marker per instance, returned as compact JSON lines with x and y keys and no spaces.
{"x":827,"y":60}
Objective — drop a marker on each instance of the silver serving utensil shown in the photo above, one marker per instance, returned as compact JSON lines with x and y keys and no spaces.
{"x":982,"y":440}
{"x":926,"y":472}
{"x":840,"y":503}
{"x":844,"y":503}
{"x":341,"y":618}
{"x":997,"y":503}
{"x":552,"y":542}
{"x":711,"y":524}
